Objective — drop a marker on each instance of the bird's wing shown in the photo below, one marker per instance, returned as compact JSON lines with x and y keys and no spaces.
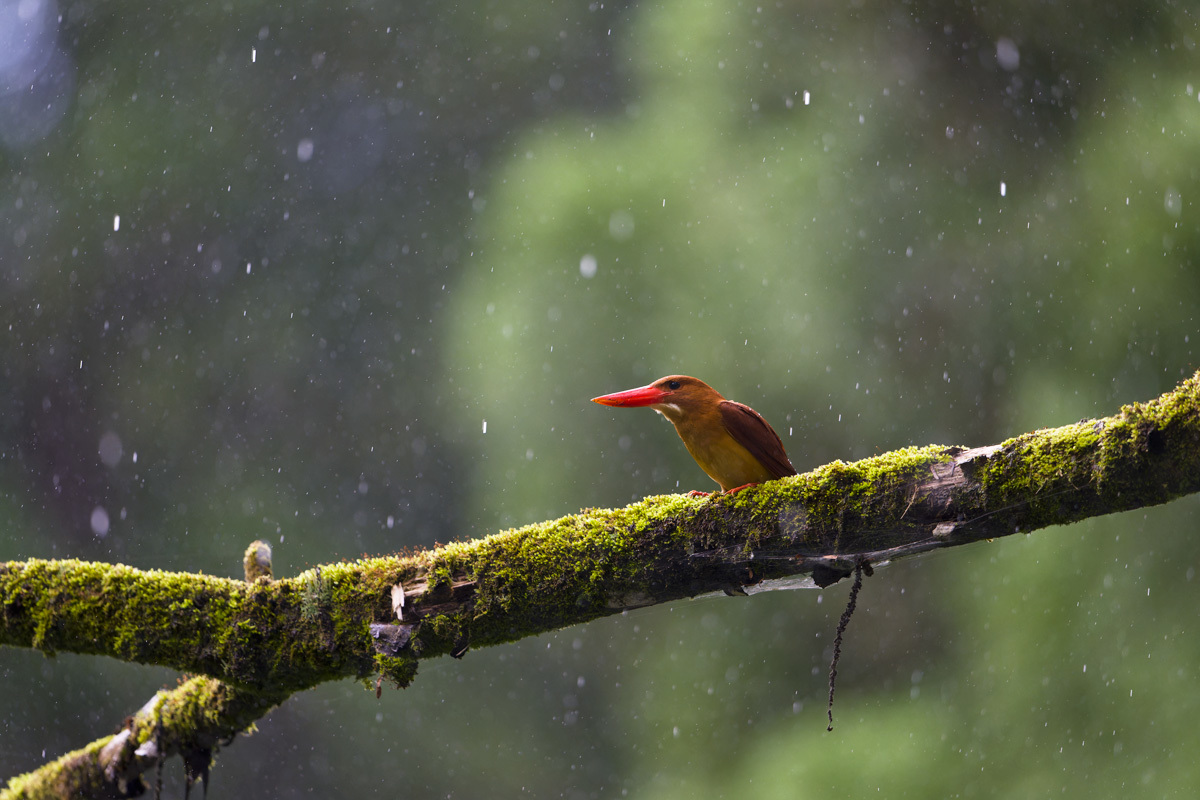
{"x":751,"y":431}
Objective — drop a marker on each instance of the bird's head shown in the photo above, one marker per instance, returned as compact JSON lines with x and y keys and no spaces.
{"x":675,"y":397}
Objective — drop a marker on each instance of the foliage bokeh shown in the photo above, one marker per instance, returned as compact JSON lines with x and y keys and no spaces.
{"x":344,"y":278}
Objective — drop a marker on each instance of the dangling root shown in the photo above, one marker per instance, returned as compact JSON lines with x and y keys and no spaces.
{"x":859,"y":569}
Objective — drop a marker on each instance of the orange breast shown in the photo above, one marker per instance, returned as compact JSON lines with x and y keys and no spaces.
{"x":719,"y":455}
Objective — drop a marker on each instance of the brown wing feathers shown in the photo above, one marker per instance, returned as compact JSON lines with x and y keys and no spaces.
{"x":754,"y":433}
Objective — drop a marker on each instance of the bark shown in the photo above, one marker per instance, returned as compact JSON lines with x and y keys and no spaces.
{"x":265,"y":639}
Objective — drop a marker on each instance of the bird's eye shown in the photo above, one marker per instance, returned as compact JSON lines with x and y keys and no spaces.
{"x":673,"y":385}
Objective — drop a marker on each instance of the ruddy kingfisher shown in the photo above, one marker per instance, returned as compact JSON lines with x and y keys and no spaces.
{"x":730,"y":441}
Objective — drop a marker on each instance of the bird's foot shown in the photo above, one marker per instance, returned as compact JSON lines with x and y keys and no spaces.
{"x":737,"y":489}
{"x":698,"y":493}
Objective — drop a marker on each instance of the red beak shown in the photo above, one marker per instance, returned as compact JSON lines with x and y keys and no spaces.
{"x":633,"y":398}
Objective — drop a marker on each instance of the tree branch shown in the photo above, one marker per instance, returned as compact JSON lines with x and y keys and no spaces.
{"x":382,"y":615}
{"x":190,"y":720}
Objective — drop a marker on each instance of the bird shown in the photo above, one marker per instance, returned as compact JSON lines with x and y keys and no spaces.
{"x":730,"y":441}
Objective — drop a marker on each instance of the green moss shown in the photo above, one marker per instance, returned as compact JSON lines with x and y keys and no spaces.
{"x":1091,"y":467}
{"x":530,"y":576}
{"x":840,"y":498}
{"x":1043,"y":458}
{"x":317,"y":595}
{"x":400,"y":671}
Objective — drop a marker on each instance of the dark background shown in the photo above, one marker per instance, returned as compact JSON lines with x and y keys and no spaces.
{"x":348,"y":235}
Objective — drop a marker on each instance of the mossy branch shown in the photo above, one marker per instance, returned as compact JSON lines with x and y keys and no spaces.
{"x":190,"y":720}
{"x":382,"y":615}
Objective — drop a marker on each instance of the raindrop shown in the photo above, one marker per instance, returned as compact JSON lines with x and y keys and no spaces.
{"x":110,"y":449}
{"x":1173,"y":202}
{"x":99,"y":521}
{"x":1007,"y":54}
{"x":620,"y":225}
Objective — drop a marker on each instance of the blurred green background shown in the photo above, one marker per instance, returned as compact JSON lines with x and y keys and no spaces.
{"x":344,"y":277}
